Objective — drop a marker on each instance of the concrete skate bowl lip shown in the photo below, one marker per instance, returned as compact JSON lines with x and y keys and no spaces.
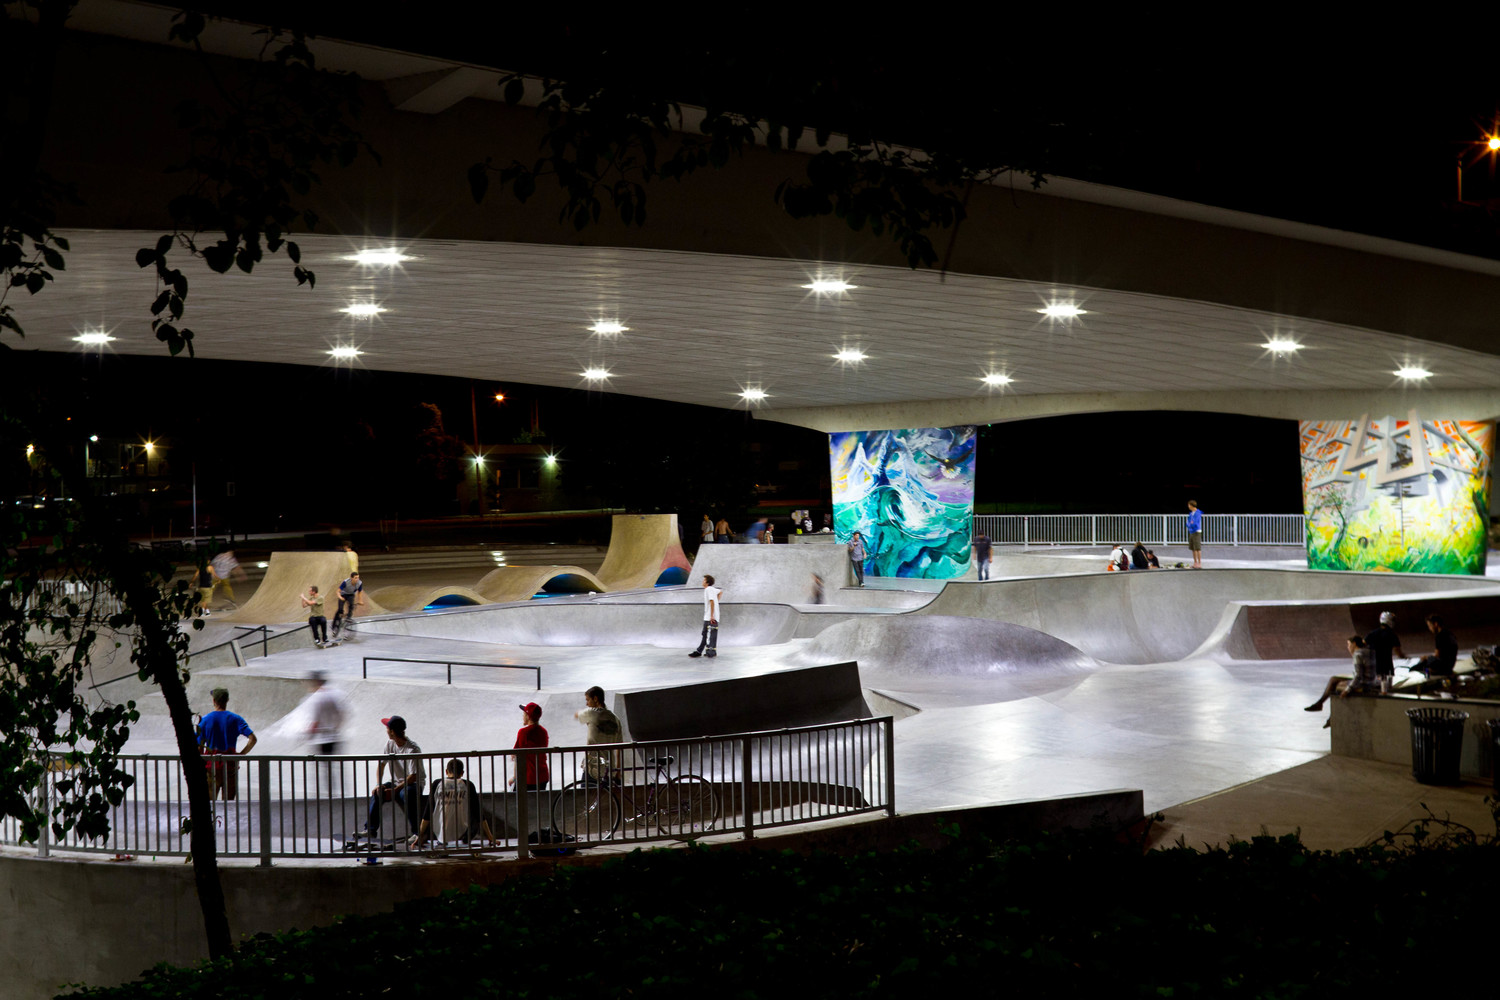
{"x":1310,"y":630}
{"x":1162,"y":616}
{"x":893,"y":648}
{"x":522,"y":583}
{"x":596,"y":623}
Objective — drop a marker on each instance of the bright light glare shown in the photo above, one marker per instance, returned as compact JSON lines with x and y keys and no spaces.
{"x":499,"y":397}
{"x":379,"y":258}
{"x":995,"y":378}
{"x":263,"y":565}
{"x":345,"y":353}
{"x":1411,"y":372}
{"x":98,"y":337}
{"x":1493,"y":143}
{"x":1281,"y":345}
{"x":550,"y":461}
{"x":94,"y":438}
{"x":1061,"y":310}
{"x":850,"y":355}
{"x":595,"y":374}
{"x":829,"y":286}
{"x":150,"y":447}
{"x":363,"y":309}
{"x":753,"y":395}
{"x":608,"y":328}
{"x":30,"y":450}
{"x":478,"y":459}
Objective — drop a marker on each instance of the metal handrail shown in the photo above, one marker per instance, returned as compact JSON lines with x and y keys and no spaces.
{"x":265,"y":636}
{"x":450,"y":664}
{"x":291,"y":806}
{"x":1157,"y":529}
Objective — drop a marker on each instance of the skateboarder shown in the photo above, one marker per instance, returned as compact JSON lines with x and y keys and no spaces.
{"x":327,"y":710}
{"x":316,"y":620}
{"x":710,"y":638}
{"x":351,"y":595}
{"x":226,"y":567}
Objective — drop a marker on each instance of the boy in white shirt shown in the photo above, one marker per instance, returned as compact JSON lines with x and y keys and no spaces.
{"x":708,"y":645}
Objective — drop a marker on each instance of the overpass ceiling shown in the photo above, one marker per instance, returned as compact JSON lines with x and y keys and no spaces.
{"x":703,"y":327}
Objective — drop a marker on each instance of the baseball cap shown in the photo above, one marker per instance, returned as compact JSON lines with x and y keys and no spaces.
{"x":395,"y":724}
{"x":532,"y":709}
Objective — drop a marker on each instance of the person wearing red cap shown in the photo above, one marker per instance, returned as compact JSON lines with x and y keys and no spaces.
{"x":407,"y":777}
{"x":532,"y":736}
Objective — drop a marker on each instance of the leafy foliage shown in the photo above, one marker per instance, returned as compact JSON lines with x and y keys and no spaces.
{"x":253,"y":153}
{"x":1054,"y":916}
{"x":606,"y":141}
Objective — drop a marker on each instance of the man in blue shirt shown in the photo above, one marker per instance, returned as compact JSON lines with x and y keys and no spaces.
{"x":1195,"y":533}
{"x":218,"y":734}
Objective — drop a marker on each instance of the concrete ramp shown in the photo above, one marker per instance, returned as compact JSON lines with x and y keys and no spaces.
{"x":777,"y":573}
{"x":806,"y":697}
{"x":399,"y":599}
{"x":891,"y":648}
{"x":641,"y":548}
{"x":603,"y":623}
{"x":287,"y":578}
{"x":1164,"y":615}
{"x":521,"y":583}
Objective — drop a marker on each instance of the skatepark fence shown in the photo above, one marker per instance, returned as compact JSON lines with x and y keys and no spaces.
{"x":364,"y":669}
{"x":1153,"y":529}
{"x":269,"y":807}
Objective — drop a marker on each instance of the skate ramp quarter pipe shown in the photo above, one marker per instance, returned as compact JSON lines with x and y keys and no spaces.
{"x":889,"y":648}
{"x":1161,"y":615}
{"x":642,"y":547}
{"x":803,"y":697}
{"x":775,"y":573}
{"x":399,"y":599}
{"x":604,"y":623}
{"x":288,"y":576}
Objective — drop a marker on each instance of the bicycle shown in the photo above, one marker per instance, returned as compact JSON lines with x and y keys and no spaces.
{"x":592,"y":809}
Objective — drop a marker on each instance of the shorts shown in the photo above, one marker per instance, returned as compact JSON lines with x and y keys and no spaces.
{"x":225,"y":775}
{"x":1195,"y":541}
{"x":205,"y":594}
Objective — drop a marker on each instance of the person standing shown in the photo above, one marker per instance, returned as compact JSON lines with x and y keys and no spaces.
{"x":326,"y":709}
{"x":721,"y":531}
{"x":351,"y":595}
{"x":205,"y":581}
{"x":226,"y":566}
{"x":706,"y":530}
{"x":857,"y":556}
{"x":983,"y":548}
{"x":708,"y":645}
{"x":603,"y":727}
{"x":1195,"y":533}
{"x":218,"y":734}
{"x":352,"y":557}
{"x":405,"y":786}
{"x":756,"y":529}
{"x":531,"y":736}
{"x":1384,"y":645}
{"x":316,"y":619}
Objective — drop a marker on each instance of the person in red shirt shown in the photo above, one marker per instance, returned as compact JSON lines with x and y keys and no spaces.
{"x":532,"y":736}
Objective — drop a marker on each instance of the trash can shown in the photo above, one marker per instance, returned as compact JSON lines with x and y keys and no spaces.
{"x":1437,"y":742}
{"x":1495,"y":754}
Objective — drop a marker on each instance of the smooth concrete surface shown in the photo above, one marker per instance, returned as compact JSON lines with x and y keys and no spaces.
{"x":641,"y":548}
{"x":278,"y":598}
{"x":787,"y":699}
{"x":1377,"y":728}
{"x":780,"y":573}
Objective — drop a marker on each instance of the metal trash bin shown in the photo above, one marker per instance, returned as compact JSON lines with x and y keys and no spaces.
{"x":1495,"y":754}
{"x":1437,"y":743}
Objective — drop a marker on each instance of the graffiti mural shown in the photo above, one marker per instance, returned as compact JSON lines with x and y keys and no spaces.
{"x":1410,"y":496}
{"x":910,"y":493}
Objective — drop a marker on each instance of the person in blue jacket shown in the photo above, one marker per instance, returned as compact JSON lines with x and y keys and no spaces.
{"x":1195,"y":533}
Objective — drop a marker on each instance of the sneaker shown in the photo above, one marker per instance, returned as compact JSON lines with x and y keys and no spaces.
{"x":206,"y":612}
{"x":710,"y":654}
{"x":1313,"y":708}
{"x":695,"y":654}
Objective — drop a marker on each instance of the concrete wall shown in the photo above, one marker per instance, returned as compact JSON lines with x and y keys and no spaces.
{"x":1378,"y":729}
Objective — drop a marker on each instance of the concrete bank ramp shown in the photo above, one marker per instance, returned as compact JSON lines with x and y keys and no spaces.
{"x":780,"y":574}
{"x":642,"y":547}
{"x":399,"y":599}
{"x":602,"y":623}
{"x":287,"y":578}
{"x":890,"y":648}
{"x":520,"y":583}
{"x":1161,"y":615}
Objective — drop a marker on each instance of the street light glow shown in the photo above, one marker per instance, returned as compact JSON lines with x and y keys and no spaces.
{"x":363,"y":309}
{"x":1282,"y":345}
{"x":550,"y":461}
{"x":996,"y":378}
{"x":1493,"y":143}
{"x":499,"y":397}
{"x":378,"y":258}
{"x":851,"y":355}
{"x":1411,"y":372}
{"x":1062,"y":310}
{"x":829,"y":286}
{"x":608,"y":328}
{"x":95,"y":337}
{"x":754,"y":394}
{"x":344,"y":353}
{"x":150,"y":447}
{"x":595,"y":374}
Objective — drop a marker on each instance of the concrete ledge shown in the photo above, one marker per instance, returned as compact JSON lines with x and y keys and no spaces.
{"x":1376,"y":728}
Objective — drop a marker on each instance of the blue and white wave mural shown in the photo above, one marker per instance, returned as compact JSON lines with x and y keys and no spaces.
{"x":910,"y":493}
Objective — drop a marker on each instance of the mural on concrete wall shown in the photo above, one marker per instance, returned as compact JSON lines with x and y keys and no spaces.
{"x":910,"y":493}
{"x":1410,"y":495}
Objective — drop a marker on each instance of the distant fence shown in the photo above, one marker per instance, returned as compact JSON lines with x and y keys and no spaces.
{"x":308,"y":807}
{"x":1158,"y":529}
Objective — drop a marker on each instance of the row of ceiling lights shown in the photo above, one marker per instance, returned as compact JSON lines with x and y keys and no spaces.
{"x":1055,"y":311}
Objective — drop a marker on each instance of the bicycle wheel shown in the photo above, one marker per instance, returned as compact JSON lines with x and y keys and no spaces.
{"x":687,"y":806}
{"x":585,"y":811}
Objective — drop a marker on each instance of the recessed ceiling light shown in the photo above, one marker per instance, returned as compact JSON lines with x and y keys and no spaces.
{"x":595,"y":374}
{"x":851,"y":355}
{"x":363,"y":309}
{"x":753,"y":394}
{"x":1061,"y":310}
{"x":608,"y":328}
{"x":1282,"y":345}
{"x":345,"y":353}
{"x":1411,"y":372}
{"x":379,"y":258}
{"x":995,"y":378}
{"x":829,"y":286}
{"x":96,"y":337}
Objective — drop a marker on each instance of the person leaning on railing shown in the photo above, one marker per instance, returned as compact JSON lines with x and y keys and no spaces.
{"x":604,"y":727}
{"x":218,"y":734}
{"x":532,"y":736}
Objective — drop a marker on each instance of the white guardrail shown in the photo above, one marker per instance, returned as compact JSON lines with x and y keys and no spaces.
{"x":1158,"y":529}
{"x":269,"y":807}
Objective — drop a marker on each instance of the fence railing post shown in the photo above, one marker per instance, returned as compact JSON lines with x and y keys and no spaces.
{"x":889,"y":726}
{"x":1025,"y":530}
{"x":745,"y":786}
{"x":44,"y":838}
{"x":263,"y":783}
{"x":1093,"y":529}
{"x":523,"y":813}
{"x":1234,"y":530}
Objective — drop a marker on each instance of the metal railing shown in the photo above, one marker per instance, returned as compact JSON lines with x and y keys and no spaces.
{"x":268,"y":807}
{"x":100,"y":601}
{"x":364,"y":670}
{"x":1158,"y":529}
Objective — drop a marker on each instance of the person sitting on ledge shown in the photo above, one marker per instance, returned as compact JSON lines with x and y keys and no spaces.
{"x":1444,"y":655}
{"x":1363,"y":681}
